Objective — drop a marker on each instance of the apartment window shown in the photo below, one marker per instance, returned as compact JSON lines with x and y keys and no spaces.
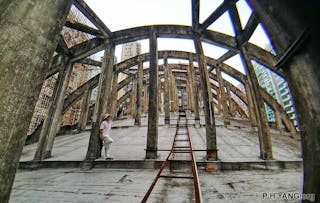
{"x":281,"y":85}
{"x":283,"y":91}
{"x":288,"y":108}
{"x":285,"y":96}
{"x":286,"y":102}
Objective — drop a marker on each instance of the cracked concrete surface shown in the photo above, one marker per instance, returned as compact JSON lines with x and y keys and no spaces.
{"x":111,"y":185}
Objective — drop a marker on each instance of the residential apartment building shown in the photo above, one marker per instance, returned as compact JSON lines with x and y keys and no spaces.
{"x":278,"y":88}
{"x":81,"y":73}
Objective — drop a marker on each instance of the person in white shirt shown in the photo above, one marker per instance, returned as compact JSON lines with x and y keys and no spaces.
{"x":105,"y":132}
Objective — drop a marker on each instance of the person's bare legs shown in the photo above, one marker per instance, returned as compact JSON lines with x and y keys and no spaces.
{"x":105,"y":151}
{"x":107,"y":148}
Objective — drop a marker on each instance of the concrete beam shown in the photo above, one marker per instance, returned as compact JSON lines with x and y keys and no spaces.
{"x":76,"y":95}
{"x":91,"y":62}
{"x":83,"y":28}
{"x":235,"y":20}
{"x":87,"y":48}
{"x":248,"y":29}
{"x":217,"y":13}
{"x":88,"y":12}
{"x":195,"y":11}
{"x":172,"y":31}
{"x":123,"y":98}
{"x":94,"y":45}
{"x":62,"y":47}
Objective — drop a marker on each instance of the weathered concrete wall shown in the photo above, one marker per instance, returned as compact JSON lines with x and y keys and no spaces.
{"x":28,"y":38}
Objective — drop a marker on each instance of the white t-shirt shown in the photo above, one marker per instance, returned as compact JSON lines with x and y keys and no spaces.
{"x":106,"y":127}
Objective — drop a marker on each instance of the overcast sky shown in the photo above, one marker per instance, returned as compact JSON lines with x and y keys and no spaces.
{"x":122,"y":14}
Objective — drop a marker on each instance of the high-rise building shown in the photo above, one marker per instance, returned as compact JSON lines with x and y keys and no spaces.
{"x":278,"y":88}
{"x":286,"y":99}
{"x":266,"y":81}
{"x":130,"y":50}
{"x":80,"y":75}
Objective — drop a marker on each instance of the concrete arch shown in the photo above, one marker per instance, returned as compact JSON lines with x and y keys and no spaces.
{"x":76,"y":95}
{"x":161,"y":54}
{"x":81,"y":51}
{"x":213,"y":86}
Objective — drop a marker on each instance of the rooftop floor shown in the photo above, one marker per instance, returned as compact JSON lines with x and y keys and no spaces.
{"x":236,"y":143}
{"x":132,"y":175}
{"x":123,"y":185}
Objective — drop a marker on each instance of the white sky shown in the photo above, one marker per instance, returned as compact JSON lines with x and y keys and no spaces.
{"x":123,"y":14}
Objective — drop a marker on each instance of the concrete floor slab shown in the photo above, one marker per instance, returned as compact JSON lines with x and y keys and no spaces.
{"x":234,"y":144}
{"x":110,"y":185}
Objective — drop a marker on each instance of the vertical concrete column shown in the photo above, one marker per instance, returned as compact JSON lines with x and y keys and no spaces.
{"x":223,"y":97}
{"x":152,"y":136}
{"x":200,"y":96}
{"x":137,"y":120}
{"x":104,"y":86}
{"x":84,"y":110}
{"x":231,"y":108}
{"x":57,"y":105}
{"x":145,"y":98}
{"x":278,"y":120}
{"x":194,"y":92}
{"x":171,"y":90}
{"x":159,"y":94}
{"x":219,"y":98}
{"x":176,"y":93}
{"x":251,"y":108}
{"x":132,"y":107}
{"x":41,"y":145}
{"x":259,"y":108}
{"x":114,"y":95}
{"x":166,"y":92}
{"x":23,"y":62}
{"x":207,"y":101}
{"x":189,"y":89}
{"x":175,"y":102}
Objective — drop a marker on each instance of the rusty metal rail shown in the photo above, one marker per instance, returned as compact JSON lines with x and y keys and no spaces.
{"x":179,"y":149}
